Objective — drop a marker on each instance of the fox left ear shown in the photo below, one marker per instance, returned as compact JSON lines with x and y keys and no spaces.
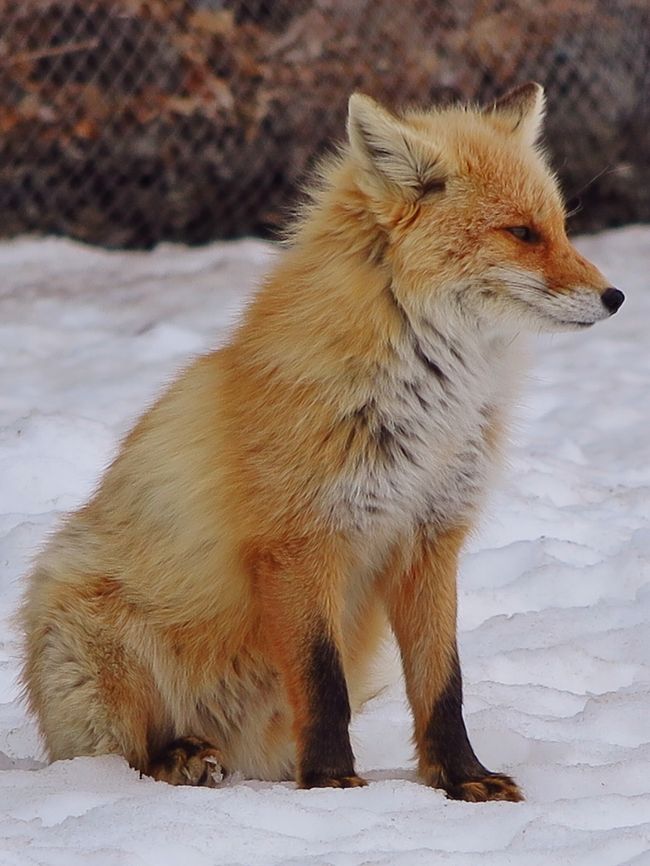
{"x":520,"y":111}
{"x":391,"y":152}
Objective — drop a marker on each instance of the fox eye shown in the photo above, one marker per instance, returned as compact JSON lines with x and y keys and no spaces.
{"x":524,"y":233}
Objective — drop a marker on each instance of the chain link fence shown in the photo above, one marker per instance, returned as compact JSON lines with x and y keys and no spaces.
{"x":128,"y":122}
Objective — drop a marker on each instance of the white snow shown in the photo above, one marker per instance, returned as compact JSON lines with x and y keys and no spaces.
{"x":555,"y":590}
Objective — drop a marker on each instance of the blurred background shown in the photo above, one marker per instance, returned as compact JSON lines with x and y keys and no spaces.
{"x":128,"y":122}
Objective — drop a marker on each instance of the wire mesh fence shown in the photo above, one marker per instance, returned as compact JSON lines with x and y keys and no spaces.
{"x":128,"y":122}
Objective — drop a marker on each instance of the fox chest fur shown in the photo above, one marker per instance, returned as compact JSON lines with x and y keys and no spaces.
{"x":420,"y":447}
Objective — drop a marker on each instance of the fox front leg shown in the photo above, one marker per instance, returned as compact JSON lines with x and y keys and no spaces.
{"x":299,"y":591}
{"x":421,"y":602}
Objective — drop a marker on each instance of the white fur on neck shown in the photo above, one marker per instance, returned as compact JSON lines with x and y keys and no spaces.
{"x":448,"y":384}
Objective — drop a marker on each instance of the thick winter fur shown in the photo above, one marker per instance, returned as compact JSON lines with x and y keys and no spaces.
{"x":215,"y":607}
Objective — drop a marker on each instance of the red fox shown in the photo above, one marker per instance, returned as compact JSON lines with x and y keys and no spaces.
{"x":216,"y":605}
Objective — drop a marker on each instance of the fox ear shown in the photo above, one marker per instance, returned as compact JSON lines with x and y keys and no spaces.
{"x":391,"y":151}
{"x":520,"y":111}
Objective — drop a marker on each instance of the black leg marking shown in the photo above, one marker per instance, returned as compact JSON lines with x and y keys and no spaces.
{"x":327,"y":757}
{"x":450,"y":757}
{"x":447,"y":742}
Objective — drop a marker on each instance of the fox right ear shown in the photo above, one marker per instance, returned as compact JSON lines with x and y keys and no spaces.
{"x":520,"y":111}
{"x":391,"y":151}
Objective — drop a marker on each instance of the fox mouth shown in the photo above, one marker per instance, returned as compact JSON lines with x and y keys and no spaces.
{"x":555,"y":308}
{"x":552,"y":312}
{"x":553,"y":319}
{"x":576,"y":324}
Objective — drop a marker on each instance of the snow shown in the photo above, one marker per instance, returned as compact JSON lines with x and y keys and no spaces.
{"x":555,"y":589}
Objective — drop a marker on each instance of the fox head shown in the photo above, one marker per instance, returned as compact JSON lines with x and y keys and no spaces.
{"x":473,"y":213}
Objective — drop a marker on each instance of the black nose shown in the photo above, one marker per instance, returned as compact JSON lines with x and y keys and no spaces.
{"x":612,"y":299}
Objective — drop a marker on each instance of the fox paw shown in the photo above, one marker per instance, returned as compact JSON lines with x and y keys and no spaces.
{"x":493,"y":786}
{"x":188,"y":761}
{"x":316,"y":780}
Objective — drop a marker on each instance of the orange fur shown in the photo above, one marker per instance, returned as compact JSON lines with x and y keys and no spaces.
{"x":420,"y":592}
{"x":224,"y":591}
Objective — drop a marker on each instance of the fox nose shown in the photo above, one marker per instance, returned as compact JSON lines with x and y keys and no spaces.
{"x":612,"y":299}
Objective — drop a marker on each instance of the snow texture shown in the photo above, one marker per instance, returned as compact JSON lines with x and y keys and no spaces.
{"x":554,"y":604}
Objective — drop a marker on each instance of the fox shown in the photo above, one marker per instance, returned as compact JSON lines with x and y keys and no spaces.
{"x":308,"y":487}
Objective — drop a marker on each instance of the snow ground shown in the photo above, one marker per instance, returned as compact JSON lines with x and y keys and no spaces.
{"x":555,"y":592}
